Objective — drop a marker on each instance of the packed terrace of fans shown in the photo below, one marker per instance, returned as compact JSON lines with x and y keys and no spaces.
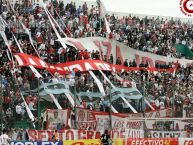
{"x":153,"y":35}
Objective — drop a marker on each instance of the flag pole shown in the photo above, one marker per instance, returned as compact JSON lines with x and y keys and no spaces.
{"x":110,"y":100}
{"x":1,"y":104}
{"x":75,"y":105}
{"x":39,"y":111}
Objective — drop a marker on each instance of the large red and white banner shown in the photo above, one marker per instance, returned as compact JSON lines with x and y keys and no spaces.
{"x":86,"y":119}
{"x":70,"y":134}
{"x":81,"y":65}
{"x":100,"y":121}
{"x":118,"y":49}
{"x":57,"y":118}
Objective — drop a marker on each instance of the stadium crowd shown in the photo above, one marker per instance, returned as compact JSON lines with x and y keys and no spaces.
{"x":154,"y":35}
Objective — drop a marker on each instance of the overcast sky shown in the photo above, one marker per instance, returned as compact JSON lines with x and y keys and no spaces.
{"x":151,"y":7}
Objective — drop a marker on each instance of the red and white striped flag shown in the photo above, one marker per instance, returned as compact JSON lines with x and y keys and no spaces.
{"x":102,"y":15}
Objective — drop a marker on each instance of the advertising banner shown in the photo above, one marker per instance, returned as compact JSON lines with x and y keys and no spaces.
{"x":36,"y":143}
{"x":46,"y":135}
{"x":118,"y":141}
{"x":152,"y":141}
{"x":83,"y":142}
{"x":185,"y":141}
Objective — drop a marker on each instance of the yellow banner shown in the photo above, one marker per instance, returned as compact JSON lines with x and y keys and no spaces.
{"x":118,"y":141}
{"x":83,"y":142}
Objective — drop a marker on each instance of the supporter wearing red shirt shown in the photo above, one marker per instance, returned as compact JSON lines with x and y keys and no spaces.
{"x":26,"y":23}
{"x":39,"y":38}
{"x":84,"y":19}
{"x":80,"y":55}
{"x":111,"y":36}
{"x":28,"y":99}
{"x":7,"y":100}
{"x":51,"y":50}
{"x":86,"y":54}
{"x":13,"y":48}
{"x":186,"y":101}
{"x":84,"y":103}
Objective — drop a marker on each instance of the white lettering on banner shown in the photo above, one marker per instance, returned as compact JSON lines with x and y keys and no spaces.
{"x":66,"y":69}
{"x":125,"y":51}
{"x":107,"y":67}
{"x":19,"y":60}
{"x":52,"y":67}
{"x":147,"y":142}
{"x":43,"y":63}
{"x":75,"y":66}
{"x":166,"y":134}
{"x":100,"y":66}
{"x":188,"y":142}
{"x":88,"y":66}
{"x":113,"y":68}
{"x":185,"y":141}
{"x":59,"y":68}
{"x":82,"y":65}
{"x":32,"y":62}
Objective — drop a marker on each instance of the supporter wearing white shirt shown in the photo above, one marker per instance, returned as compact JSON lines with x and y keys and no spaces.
{"x":18,"y":109}
{"x":162,"y":105}
{"x":42,"y":47}
{"x":51,"y":41}
{"x":184,"y":42}
{"x":4,"y":138}
{"x":31,"y":106}
{"x":117,"y":36}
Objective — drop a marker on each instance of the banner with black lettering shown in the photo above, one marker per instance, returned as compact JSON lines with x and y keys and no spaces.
{"x":167,"y":134}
